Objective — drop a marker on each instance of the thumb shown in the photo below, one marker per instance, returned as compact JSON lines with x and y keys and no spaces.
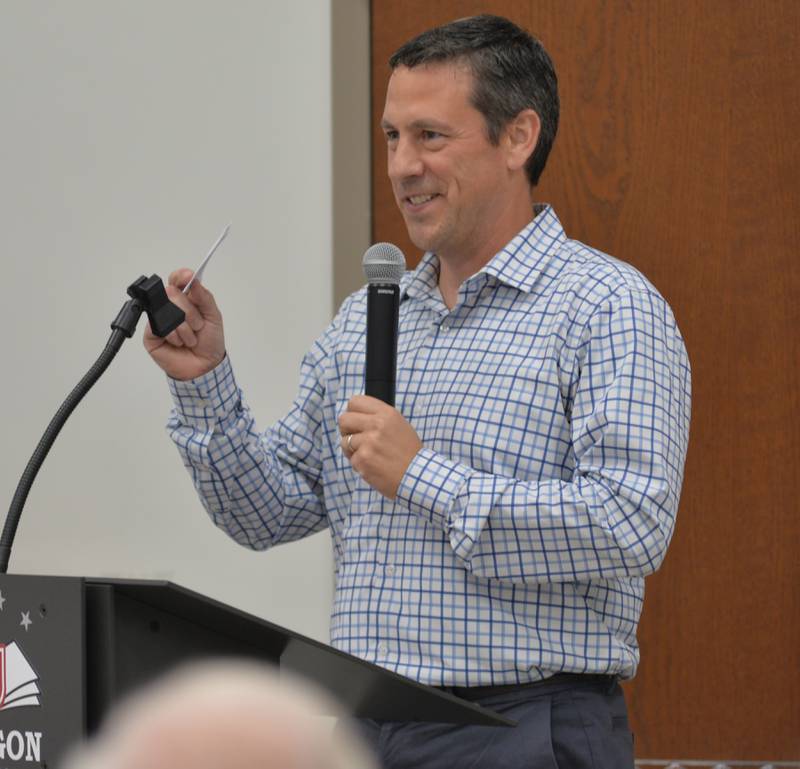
{"x":204,"y":300}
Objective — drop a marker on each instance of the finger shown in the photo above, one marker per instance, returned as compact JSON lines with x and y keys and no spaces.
{"x":192,"y":312}
{"x":174,"y":339}
{"x":180,"y":277}
{"x":150,"y":340}
{"x":199,"y":295}
{"x":366,"y":404}
{"x":204,"y":300}
{"x":186,"y":334}
{"x":352,"y":422}
{"x":348,"y":444}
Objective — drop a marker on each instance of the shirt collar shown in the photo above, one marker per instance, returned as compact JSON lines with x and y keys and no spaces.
{"x":518,"y":264}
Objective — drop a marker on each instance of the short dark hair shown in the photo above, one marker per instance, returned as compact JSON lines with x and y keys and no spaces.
{"x":511,"y":71}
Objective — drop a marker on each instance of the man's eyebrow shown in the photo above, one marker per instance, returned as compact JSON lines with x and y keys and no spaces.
{"x":418,"y":125}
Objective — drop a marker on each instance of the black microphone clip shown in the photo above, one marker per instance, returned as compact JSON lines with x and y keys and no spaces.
{"x":164,"y":316}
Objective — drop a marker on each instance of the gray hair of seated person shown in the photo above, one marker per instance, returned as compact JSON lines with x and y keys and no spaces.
{"x":235,"y":715}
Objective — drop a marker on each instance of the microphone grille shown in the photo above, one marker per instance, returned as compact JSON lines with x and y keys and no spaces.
{"x":384,"y":263}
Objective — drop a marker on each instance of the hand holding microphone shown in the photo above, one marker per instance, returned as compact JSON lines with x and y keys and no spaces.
{"x":379,"y":442}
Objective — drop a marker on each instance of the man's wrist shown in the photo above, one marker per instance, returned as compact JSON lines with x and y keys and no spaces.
{"x":208,"y":399}
{"x":431,"y":485}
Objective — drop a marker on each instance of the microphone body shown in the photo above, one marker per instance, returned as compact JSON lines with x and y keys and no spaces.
{"x":383,"y":309}
{"x":384,"y":265}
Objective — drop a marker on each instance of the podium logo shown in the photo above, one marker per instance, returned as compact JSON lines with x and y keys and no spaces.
{"x":18,"y":688}
{"x":18,"y":680}
{"x":17,"y":745}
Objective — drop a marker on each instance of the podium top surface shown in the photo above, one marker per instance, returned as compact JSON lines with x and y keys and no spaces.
{"x":364,"y":689}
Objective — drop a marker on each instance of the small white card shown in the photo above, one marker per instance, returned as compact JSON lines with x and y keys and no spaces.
{"x":198,"y":273}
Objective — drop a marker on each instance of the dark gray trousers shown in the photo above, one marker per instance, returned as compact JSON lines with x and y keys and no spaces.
{"x":571,"y":722}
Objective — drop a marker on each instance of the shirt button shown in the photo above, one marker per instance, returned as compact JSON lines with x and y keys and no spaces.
{"x":390,"y":570}
{"x":383,"y":648}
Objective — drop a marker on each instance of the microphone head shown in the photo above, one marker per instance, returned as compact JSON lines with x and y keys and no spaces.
{"x":384,"y":263}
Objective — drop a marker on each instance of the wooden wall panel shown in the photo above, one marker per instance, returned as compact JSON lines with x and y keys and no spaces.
{"x":677,"y":152}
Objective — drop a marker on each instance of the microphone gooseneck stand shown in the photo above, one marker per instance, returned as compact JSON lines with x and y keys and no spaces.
{"x":147,"y":295}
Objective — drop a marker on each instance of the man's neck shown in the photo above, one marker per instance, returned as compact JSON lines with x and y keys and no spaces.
{"x":454,"y":269}
{"x":450,"y":282}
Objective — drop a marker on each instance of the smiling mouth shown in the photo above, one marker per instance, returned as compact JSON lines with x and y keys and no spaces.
{"x":419,"y":200}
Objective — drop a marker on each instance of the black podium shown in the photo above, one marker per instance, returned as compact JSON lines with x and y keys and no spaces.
{"x":71,"y":646}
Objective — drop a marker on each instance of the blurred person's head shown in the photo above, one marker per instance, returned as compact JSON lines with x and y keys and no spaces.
{"x":235,"y":715}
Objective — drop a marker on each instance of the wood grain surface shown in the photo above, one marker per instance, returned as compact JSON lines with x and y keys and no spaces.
{"x":678,"y":152}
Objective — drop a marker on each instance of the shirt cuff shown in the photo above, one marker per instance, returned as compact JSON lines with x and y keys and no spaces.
{"x":204,"y":402}
{"x":431,"y":486}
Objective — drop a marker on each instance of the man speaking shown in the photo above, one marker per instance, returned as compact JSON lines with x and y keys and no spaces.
{"x":493,"y":530}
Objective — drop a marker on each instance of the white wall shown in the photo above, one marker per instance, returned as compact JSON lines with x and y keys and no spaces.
{"x":131,"y":133}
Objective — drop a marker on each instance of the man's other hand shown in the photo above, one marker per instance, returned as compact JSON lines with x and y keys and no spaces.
{"x":379,"y":442}
{"x":198,"y":344}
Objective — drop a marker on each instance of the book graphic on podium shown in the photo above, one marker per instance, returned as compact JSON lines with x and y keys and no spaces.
{"x":18,"y":680}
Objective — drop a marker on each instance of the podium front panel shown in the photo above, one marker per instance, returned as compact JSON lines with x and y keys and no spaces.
{"x":42,"y":668}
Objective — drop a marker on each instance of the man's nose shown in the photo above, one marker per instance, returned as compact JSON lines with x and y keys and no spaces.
{"x":405,"y":160}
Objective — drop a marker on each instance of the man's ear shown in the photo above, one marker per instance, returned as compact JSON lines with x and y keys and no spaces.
{"x":521,"y":136}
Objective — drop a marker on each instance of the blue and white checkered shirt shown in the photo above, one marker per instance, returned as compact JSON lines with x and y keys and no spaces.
{"x":553,"y":404}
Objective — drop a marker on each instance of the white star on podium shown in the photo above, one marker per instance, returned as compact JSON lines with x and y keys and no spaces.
{"x":2,"y":600}
{"x":26,"y":620}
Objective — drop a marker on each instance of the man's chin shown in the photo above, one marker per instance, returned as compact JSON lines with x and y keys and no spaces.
{"x":424,"y":241}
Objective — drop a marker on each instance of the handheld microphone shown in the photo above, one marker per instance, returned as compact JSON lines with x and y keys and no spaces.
{"x":384,"y":265}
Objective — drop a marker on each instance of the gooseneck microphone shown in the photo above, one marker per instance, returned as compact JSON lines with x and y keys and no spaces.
{"x":146,"y":295}
{"x":384,"y":265}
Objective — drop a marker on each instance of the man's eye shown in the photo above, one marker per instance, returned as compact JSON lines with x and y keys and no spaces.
{"x":431,"y":135}
{"x":391,"y":136}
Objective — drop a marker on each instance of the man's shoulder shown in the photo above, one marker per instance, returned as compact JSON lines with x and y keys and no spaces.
{"x":598,"y":277}
{"x":355,"y":302}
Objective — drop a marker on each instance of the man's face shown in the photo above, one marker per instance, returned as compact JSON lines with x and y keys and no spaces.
{"x":450,"y":183}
